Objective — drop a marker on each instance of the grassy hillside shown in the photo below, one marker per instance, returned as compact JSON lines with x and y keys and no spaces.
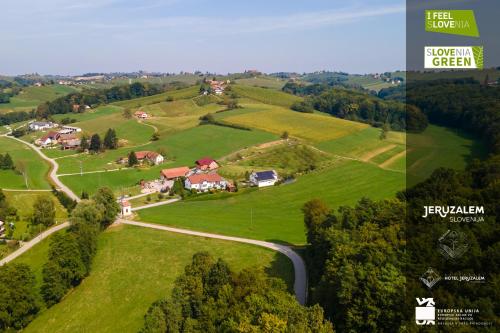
{"x":133,"y":268}
{"x":274,"y":213}
{"x":30,"y":97}
{"x":268,"y":96}
{"x":309,"y":126}
{"x":263,"y":82}
{"x":36,"y":168}
{"x":175,"y":94}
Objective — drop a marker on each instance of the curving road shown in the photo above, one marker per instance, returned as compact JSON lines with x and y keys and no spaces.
{"x":300,"y":283}
{"x":28,"y":245}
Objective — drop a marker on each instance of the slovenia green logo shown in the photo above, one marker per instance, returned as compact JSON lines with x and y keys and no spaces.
{"x":456,"y":22}
{"x":460,"y":57}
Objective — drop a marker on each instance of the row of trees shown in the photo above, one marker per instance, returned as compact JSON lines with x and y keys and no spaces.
{"x":209,"y":297}
{"x":69,"y":262}
{"x":359,"y":106}
{"x":95,"y":144}
{"x":66,"y":103}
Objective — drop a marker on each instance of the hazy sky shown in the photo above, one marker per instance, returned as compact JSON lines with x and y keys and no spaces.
{"x":73,"y":37}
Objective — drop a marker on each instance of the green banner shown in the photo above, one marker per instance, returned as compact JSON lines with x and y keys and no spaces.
{"x":456,"y":22}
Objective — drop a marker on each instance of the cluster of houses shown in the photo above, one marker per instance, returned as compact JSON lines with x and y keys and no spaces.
{"x":217,"y":86}
{"x":141,"y":115}
{"x":204,"y":177}
{"x":66,"y":136}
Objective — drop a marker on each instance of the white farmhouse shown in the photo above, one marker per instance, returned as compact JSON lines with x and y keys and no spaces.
{"x":205,"y":181}
{"x":264,"y":178}
{"x":41,"y":125}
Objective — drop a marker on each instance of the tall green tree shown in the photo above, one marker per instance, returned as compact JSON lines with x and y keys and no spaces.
{"x":95,"y":143}
{"x":44,"y":211}
{"x":105,"y":201}
{"x":110,"y":139}
{"x":132,"y":159}
{"x":20,"y":301}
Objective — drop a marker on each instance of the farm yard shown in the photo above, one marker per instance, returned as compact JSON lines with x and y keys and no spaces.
{"x":125,"y":253}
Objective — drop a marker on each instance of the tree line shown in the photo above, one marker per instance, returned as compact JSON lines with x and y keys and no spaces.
{"x":66,"y":104}
{"x":366,"y":108}
{"x":69,"y":262}
{"x":210,"y":297}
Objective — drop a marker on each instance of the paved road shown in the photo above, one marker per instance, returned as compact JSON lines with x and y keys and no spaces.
{"x":28,"y":245}
{"x":53,"y":171}
{"x":300,"y":284}
{"x":161,"y":203}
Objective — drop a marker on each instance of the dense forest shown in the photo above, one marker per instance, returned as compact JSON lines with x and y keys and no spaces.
{"x":209,"y":297}
{"x":360,"y":106}
{"x":365,"y":261}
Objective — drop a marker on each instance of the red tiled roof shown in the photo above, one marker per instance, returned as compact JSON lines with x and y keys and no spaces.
{"x":51,"y":135}
{"x":175,"y":172}
{"x":205,"y":161}
{"x":146,"y":154}
{"x":125,"y":203}
{"x":209,"y":177}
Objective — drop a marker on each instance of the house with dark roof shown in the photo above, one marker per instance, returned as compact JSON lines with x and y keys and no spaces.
{"x":203,"y":182}
{"x":206,"y":164}
{"x":263,"y":178}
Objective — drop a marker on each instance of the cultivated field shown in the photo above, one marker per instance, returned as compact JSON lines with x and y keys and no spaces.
{"x":267,"y":96}
{"x":309,"y":126}
{"x":133,"y":268}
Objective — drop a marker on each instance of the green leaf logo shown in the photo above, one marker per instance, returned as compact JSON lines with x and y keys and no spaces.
{"x":477,"y":51}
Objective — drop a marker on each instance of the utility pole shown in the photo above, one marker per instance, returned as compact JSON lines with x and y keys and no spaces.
{"x":81,"y":167}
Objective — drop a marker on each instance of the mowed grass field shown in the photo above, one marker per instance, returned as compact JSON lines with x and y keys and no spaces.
{"x":133,"y":268}
{"x":31,"y":97}
{"x":267,"y":96}
{"x":440,"y":147}
{"x":314,"y":127}
{"x":35,"y":167}
{"x":274,"y":213}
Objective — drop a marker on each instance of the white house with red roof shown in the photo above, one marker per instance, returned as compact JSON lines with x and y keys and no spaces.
{"x":150,"y":156}
{"x":206,"y":164}
{"x":48,"y":139}
{"x":141,"y":115}
{"x":205,"y":181}
{"x":126,"y":208}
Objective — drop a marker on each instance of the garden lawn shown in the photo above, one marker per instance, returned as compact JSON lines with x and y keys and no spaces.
{"x":36,"y":168}
{"x":135,"y":267}
{"x":274,"y":213}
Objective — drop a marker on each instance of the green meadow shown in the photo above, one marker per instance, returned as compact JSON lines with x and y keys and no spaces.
{"x":263,"y":82}
{"x":175,"y":94}
{"x":25,"y":158}
{"x":274,"y":213}
{"x":133,"y":268}
{"x":30,"y":97}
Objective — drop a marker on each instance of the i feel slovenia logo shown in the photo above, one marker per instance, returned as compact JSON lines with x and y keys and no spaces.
{"x":459,"y":57}
{"x":456,"y":22}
